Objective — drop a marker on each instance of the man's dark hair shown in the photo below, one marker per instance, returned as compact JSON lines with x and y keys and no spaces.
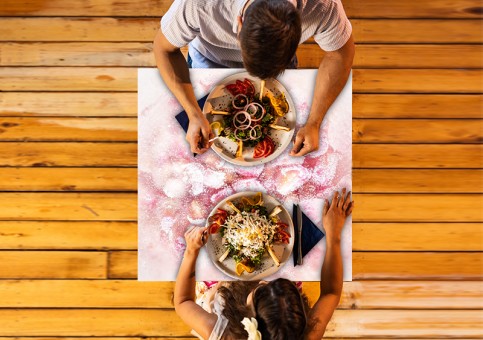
{"x":269,"y":37}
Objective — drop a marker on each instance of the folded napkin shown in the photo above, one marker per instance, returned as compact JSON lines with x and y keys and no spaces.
{"x":311,"y":235}
{"x":183,"y":119}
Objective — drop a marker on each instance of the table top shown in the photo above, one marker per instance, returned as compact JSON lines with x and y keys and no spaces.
{"x":177,"y":190}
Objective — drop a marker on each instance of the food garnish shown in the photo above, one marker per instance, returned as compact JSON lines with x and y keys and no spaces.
{"x":250,"y":116}
{"x":248,"y":232}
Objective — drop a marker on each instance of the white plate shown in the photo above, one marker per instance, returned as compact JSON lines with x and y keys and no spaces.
{"x":220,"y":98}
{"x":267,"y":267}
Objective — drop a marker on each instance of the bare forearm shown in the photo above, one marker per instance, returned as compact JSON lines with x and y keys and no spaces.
{"x":331,"y":78}
{"x":185,"y":281}
{"x":331,"y":276}
{"x":174,"y":71}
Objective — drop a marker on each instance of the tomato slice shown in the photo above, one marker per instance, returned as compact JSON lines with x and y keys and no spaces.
{"x":233,"y":89}
{"x":213,"y":228}
{"x":250,"y":87}
{"x":260,"y":149}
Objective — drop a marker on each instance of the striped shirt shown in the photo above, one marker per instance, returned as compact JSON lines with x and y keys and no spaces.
{"x":210,"y":27}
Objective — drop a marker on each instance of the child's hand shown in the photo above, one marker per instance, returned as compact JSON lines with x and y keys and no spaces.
{"x":196,"y":238}
{"x":334,"y":214}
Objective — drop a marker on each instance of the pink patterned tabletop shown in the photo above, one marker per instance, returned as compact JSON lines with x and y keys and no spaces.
{"x":177,"y":190}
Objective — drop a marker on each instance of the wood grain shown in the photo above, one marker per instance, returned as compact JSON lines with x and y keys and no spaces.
{"x":134,"y":294}
{"x":354,"y":8}
{"x":125,"y":79}
{"x":421,"y":265}
{"x":68,"y":235}
{"x":417,"y":236}
{"x":417,"y":81}
{"x":418,"y":208}
{"x":68,"y":129}
{"x":450,"y":131}
{"x":416,"y":106}
{"x":68,"y":79}
{"x":90,"y":104}
{"x":417,"y":181}
{"x":365,"y":265}
{"x":381,"y":31}
{"x":310,"y":55}
{"x":123,"y":265}
{"x":416,"y":156}
{"x":68,"y":154}
{"x":68,"y":179}
{"x":52,"y":265}
{"x":68,"y":206}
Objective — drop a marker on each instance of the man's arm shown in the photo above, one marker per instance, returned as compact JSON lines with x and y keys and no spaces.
{"x":334,"y":216}
{"x":331,"y":78}
{"x":174,"y":71}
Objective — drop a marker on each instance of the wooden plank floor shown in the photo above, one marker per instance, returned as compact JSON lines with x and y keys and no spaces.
{"x":68,"y":180}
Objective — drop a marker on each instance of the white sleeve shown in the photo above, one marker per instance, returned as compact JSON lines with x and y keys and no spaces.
{"x":180,"y":24}
{"x":335,"y":29}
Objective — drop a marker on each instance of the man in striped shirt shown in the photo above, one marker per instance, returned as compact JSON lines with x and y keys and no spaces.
{"x":261,"y":36}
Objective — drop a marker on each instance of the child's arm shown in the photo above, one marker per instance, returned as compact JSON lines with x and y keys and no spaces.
{"x":184,"y":291}
{"x":333,"y":217}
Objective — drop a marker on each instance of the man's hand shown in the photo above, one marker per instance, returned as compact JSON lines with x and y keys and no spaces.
{"x":196,"y":238}
{"x":335,"y":213}
{"x":199,"y":133}
{"x":307,"y":140}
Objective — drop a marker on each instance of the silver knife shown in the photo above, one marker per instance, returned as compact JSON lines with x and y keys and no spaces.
{"x":299,"y":224}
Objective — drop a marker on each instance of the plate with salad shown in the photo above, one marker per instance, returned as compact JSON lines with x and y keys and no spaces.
{"x":251,"y":235}
{"x":253,"y":120}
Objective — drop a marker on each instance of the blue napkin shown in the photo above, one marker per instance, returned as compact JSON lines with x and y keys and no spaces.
{"x":311,"y":235}
{"x":183,"y":119}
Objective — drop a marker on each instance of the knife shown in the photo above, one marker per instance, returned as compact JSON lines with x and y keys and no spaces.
{"x":299,"y":224}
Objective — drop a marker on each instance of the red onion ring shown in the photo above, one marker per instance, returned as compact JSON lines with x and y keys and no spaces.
{"x":254,"y":129}
{"x":242,"y":123}
{"x":235,"y":98}
{"x":253,"y":113}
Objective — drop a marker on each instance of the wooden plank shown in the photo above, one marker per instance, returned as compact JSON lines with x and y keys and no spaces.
{"x":419,"y":266}
{"x":417,"y":236}
{"x":418,"y":208}
{"x":354,"y":8}
{"x":399,"y":56}
{"x":68,"y":79}
{"x":417,"y":131}
{"x":68,"y":179}
{"x":68,"y":129}
{"x":416,"y":106}
{"x":366,"y":265}
{"x":125,"y":105}
{"x":68,"y":235}
{"x":416,"y":31}
{"x":142,"y":322}
{"x":68,"y":154}
{"x":417,"y":81}
{"x":52,"y":265}
{"x":134,"y":294}
{"x":413,"y":9}
{"x":410,"y":31}
{"x":310,"y":55}
{"x":416,"y":156}
{"x":417,"y":181}
{"x":90,"y":104}
{"x":123,"y":265}
{"x":68,"y":206}
{"x":125,"y":79}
